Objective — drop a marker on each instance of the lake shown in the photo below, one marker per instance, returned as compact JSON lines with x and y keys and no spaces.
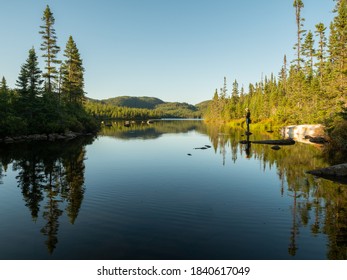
{"x":168,"y":190}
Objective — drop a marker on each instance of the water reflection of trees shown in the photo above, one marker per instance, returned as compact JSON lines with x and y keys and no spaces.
{"x":317,"y":204}
{"x":151,"y":131}
{"x":51,"y":177}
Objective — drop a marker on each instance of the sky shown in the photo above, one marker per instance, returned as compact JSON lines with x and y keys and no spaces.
{"x":175,"y":50}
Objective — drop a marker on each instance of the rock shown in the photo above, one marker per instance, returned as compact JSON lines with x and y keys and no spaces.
{"x":276,"y":147}
{"x":339,"y":170}
{"x":305,"y":132}
{"x":8,"y":140}
{"x":318,"y":140}
{"x":19,"y":138}
{"x":287,"y":141}
{"x":37,"y":137}
{"x":200,"y":148}
{"x":189,"y":155}
{"x":70,"y":135}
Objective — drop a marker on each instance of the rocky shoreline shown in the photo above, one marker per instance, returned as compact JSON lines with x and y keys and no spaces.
{"x":306,"y":133}
{"x":43,"y":137}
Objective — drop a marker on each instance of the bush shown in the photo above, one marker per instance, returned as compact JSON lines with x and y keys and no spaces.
{"x":336,"y":151}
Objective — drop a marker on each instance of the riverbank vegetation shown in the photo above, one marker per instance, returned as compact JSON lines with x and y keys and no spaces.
{"x":310,"y":89}
{"x":50,"y":100}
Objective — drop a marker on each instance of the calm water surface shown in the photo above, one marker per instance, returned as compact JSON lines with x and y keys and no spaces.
{"x":151,"y":192}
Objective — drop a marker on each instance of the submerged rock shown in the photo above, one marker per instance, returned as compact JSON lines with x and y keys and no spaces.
{"x":318,"y":140}
{"x":339,"y":170}
{"x":288,"y":141}
{"x":276,"y":147}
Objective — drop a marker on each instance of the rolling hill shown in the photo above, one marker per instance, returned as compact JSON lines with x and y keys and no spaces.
{"x":164,"y":109}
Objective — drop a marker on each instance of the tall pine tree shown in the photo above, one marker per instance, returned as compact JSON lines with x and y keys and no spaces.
{"x":49,"y":46}
{"x":320,"y":53}
{"x":298,"y":5}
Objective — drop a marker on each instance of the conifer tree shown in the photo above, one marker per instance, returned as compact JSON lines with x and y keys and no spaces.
{"x":338,"y":46}
{"x":320,"y":53}
{"x":72,"y":73}
{"x":308,"y":51}
{"x":298,"y":5}
{"x":49,"y":46}
{"x":29,"y":80}
{"x":3,"y":87}
{"x":283,"y":74}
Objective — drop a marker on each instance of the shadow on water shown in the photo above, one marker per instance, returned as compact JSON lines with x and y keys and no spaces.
{"x":317,"y":203}
{"x":50,"y":176}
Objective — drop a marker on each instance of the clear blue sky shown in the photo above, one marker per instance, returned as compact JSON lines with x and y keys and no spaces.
{"x":176,"y":50}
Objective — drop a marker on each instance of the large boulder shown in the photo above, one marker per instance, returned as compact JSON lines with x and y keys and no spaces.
{"x":307,"y":133}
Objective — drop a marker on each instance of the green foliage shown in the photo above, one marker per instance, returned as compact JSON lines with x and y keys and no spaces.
{"x":72,"y":74}
{"x":313,"y":89}
{"x":30,"y":109}
{"x":336,"y":151}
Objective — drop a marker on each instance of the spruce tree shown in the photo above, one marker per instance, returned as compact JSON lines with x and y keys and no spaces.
{"x":283,"y":74}
{"x":29,"y":80}
{"x":49,"y":46}
{"x":298,"y":5}
{"x":320,"y":53}
{"x":72,"y":74}
{"x":308,"y":51}
{"x":3,"y":87}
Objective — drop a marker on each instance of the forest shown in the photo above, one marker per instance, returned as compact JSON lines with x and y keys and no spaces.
{"x":142,"y":108}
{"x":50,"y":100}
{"x":310,"y":89}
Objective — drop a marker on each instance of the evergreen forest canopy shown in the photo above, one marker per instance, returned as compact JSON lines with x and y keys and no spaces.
{"x":310,"y":89}
{"x":50,"y":100}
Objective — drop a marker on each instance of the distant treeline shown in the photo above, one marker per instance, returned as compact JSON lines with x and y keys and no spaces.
{"x":310,"y":89}
{"x":126,"y":107}
{"x":50,"y":100}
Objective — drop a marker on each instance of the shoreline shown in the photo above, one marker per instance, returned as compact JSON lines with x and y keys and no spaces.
{"x":43,"y":137}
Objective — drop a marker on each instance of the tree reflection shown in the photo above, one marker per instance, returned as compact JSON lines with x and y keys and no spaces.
{"x":151,"y":131}
{"x":51,"y":177}
{"x":319,"y":204}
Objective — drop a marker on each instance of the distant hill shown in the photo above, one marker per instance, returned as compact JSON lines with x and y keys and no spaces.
{"x":203,"y":106}
{"x":143,"y":102}
{"x":156,"y":107}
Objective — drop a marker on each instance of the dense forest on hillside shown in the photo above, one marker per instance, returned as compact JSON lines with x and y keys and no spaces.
{"x":126,"y":107}
{"x":310,"y":89}
{"x":50,"y":100}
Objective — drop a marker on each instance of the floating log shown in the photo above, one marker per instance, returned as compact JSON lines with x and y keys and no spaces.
{"x":279,"y":142}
